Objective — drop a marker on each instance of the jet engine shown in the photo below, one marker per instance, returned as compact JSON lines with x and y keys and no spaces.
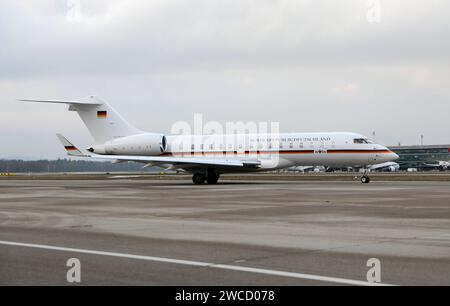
{"x":392,"y":169}
{"x":141,"y":144}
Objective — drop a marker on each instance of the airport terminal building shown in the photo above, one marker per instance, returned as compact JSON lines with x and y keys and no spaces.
{"x":421,"y":156}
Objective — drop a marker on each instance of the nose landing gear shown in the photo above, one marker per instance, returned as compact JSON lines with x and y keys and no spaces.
{"x":365,"y":179}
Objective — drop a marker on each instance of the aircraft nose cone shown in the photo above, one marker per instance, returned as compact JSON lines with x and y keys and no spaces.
{"x":391,"y":156}
{"x":394,"y":156}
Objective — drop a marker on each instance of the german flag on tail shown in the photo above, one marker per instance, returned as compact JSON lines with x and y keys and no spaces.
{"x":70,"y":148}
{"x":102,"y":114}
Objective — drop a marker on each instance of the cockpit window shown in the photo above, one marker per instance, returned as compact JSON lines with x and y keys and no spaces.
{"x":362,"y":141}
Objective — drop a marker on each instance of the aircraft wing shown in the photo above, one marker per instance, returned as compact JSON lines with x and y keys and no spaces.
{"x":431,"y":165}
{"x":181,"y":161}
{"x":175,"y":162}
{"x":439,"y":164}
{"x":383,"y":165}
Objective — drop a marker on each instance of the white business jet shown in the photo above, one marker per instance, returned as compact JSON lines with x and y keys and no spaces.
{"x":209,"y":156}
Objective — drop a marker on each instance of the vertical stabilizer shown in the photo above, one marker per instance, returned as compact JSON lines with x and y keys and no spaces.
{"x":102,"y":121}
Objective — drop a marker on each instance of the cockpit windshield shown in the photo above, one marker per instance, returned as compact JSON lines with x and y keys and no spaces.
{"x":362,"y":141}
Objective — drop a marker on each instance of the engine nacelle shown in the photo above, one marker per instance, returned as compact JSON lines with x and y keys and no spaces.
{"x":98,"y":149}
{"x":141,"y":144}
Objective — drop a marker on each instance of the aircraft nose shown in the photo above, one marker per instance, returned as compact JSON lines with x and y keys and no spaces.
{"x":390,"y":156}
{"x":393,"y":156}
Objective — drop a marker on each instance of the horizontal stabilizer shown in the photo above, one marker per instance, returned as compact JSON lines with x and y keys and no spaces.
{"x":71,"y":149}
{"x":87,"y":101}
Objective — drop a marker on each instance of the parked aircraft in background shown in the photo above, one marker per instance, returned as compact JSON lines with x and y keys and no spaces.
{"x":440,"y":165}
{"x":305,"y":169}
{"x":385,"y":167}
{"x":208,"y":156}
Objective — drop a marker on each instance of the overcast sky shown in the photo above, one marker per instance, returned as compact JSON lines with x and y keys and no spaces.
{"x":312,"y":65}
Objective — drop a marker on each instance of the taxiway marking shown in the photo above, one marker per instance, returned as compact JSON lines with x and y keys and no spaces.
{"x":198,"y":264}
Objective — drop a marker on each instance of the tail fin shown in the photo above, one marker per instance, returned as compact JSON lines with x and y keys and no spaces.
{"x":102,"y":121}
{"x":70,"y":148}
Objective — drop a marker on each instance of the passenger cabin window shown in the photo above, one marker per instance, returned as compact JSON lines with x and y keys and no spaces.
{"x":362,"y":141}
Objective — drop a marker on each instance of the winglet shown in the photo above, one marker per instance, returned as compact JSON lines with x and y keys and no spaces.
{"x":70,"y":148}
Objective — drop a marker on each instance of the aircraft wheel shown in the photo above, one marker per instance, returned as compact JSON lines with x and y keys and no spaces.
{"x":198,"y":178}
{"x":213,"y":178}
{"x":365,"y":180}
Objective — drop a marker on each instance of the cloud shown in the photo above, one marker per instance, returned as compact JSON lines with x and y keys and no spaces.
{"x":144,"y":36}
{"x":346,"y":88}
{"x":308,"y":64}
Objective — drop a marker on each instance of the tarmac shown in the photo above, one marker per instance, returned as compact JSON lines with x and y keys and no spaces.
{"x":247,"y":232}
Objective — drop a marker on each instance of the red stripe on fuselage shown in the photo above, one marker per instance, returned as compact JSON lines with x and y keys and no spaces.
{"x":358,"y":151}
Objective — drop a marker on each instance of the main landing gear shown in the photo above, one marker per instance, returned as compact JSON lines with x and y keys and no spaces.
{"x":200,"y":178}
